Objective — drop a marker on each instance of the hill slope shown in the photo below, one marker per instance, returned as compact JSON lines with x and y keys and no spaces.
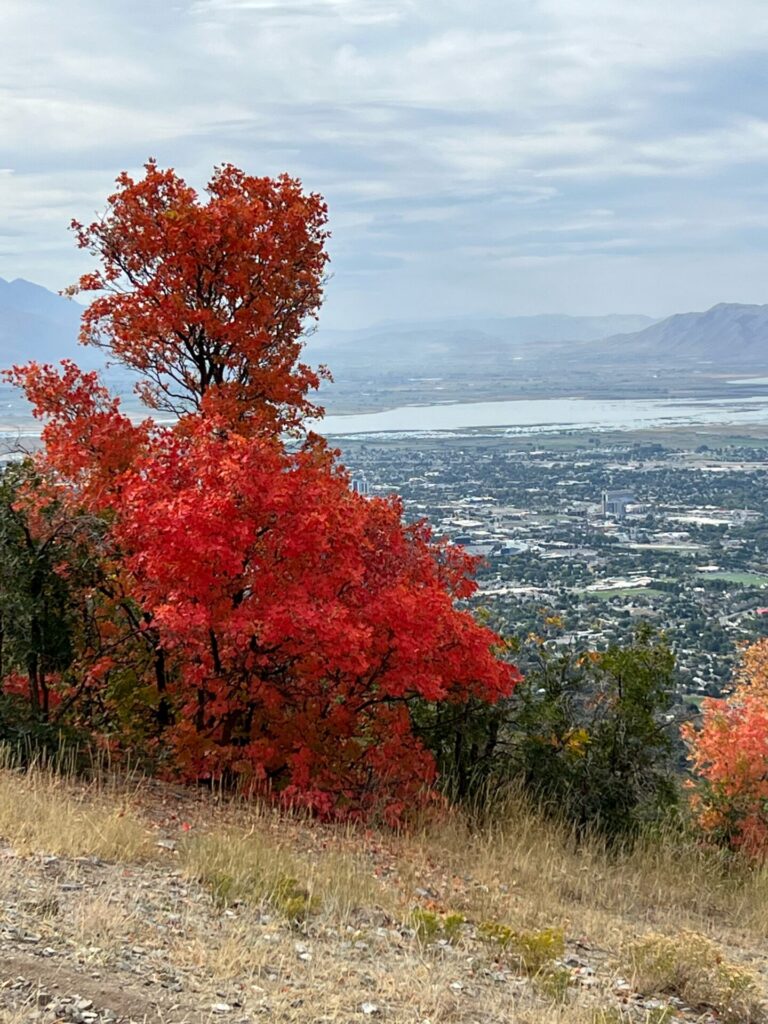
{"x":37,"y":324}
{"x":729,"y":333}
{"x":166,"y":905}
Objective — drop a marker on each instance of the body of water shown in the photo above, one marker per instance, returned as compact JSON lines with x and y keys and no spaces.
{"x":546,"y":414}
{"x":524,"y":416}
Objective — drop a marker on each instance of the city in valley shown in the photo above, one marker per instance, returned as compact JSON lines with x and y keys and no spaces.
{"x":606,"y":533}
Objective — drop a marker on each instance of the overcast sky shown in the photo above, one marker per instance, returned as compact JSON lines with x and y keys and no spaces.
{"x":494,"y":156}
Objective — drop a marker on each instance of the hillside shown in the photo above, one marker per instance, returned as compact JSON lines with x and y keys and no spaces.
{"x":37,"y":324}
{"x":130,"y":903}
{"x":729,"y":334}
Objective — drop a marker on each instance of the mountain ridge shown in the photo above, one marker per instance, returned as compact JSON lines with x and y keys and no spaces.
{"x":731,"y":333}
{"x":36,"y":323}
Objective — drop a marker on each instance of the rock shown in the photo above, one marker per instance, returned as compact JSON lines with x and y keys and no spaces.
{"x":370,"y":1009}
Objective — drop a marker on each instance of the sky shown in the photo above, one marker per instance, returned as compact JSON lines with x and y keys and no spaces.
{"x":477,"y":156}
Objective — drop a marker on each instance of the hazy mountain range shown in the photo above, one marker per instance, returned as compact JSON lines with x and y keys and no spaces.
{"x":729,"y":333}
{"x":458,"y":345}
{"x":732,"y":335}
{"x":37,"y":324}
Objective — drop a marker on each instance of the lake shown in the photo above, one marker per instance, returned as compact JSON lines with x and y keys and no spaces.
{"x":523,"y":416}
{"x":545,"y":414}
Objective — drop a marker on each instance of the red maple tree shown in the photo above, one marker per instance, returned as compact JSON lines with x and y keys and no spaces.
{"x":294,"y":622}
{"x":209,"y":300}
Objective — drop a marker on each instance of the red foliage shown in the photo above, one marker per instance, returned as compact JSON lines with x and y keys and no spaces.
{"x":209,"y":300}
{"x":296,"y":621}
{"x":17,"y":684}
{"x":301,"y":618}
{"x":85,"y":435}
{"x":729,"y":757}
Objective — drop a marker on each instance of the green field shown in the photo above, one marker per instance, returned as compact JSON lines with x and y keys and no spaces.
{"x":744,"y":579}
{"x":626,"y":592}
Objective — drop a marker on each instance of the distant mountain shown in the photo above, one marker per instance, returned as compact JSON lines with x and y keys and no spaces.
{"x":38,"y":324}
{"x":459,"y":345}
{"x":729,"y":334}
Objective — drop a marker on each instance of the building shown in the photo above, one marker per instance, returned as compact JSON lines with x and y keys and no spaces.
{"x":359,"y":485}
{"x":615,"y":503}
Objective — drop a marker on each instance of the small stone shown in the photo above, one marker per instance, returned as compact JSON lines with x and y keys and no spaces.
{"x":574,"y":961}
{"x":166,"y":844}
{"x":370,"y":1009}
{"x":221,"y":1008}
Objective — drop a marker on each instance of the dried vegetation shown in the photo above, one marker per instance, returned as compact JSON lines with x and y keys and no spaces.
{"x":186,"y":902}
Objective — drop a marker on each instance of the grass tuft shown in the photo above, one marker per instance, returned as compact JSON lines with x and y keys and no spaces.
{"x":694,"y":968}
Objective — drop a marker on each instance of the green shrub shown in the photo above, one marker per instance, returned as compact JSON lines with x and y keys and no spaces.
{"x":585,"y":735}
{"x":430,"y":927}
{"x":533,"y":950}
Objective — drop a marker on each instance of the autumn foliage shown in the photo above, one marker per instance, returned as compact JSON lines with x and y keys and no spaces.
{"x":251,"y":617}
{"x":209,"y":300}
{"x":729,"y":758}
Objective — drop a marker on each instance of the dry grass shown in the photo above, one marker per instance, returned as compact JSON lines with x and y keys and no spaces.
{"x":101,"y":922}
{"x":532,"y":874}
{"x":355,"y":898}
{"x":255,"y":866}
{"x":41,"y":811}
{"x":692,"y":967}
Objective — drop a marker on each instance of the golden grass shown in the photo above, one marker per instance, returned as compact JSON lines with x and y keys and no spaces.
{"x":531,"y":873}
{"x":692,"y":967}
{"x":255,"y":866}
{"x":42,"y":812}
{"x":277,"y":880}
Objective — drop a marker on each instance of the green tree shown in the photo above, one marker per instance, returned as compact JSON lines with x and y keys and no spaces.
{"x":592,"y":738}
{"x":587,"y":734}
{"x":36,"y":621}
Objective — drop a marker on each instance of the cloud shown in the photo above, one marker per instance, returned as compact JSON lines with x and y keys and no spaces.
{"x":354,"y":12}
{"x":477,"y":156}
